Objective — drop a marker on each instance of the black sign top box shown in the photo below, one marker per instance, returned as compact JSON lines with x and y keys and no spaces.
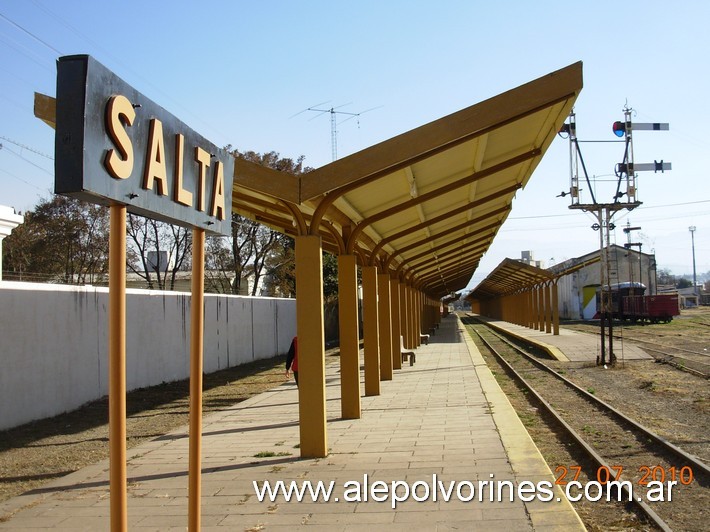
{"x":192,"y":190}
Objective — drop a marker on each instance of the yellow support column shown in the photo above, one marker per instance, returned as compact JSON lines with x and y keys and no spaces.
{"x":385,"y":325}
{"x":531,"y":309}
{"x":429,"y":315}
{"x":548,"y":310}
{"x":541,"y":308}
{"x":510,"y":308}
{"x":404,"y":315}
{"x":418,"y":319}
{"x":414,"y":325}
{"x":555,"y":310}
{"x":426,"y":314}
{"x":349,"y":337}
{"x":371,"y":332}
{"x":311,"y":347}
{"x":410,"y":318}
{"x":396,"y":327}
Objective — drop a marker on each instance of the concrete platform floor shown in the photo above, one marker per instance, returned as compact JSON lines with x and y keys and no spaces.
{"x":569,"y":345}
{"x":444,"y":416}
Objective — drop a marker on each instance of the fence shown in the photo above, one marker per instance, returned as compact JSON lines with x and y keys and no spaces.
{"x":53,"y":342}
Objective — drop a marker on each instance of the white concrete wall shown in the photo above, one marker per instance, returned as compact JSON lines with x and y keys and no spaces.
{"x":53,"y":342}
{"x":568,"y":298}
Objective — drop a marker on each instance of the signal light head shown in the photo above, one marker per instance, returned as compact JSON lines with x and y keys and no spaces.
{"x":619,"y":129}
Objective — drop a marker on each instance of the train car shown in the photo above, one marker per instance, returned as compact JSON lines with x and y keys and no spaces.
{"x":619,"y":291}
{"x":629,"y":303}
{"x":654,"y":309}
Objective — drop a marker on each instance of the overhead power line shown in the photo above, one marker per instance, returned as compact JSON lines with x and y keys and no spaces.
{"x":27,"y":148}
{"x":19,"y":155}
{"x":28,"y":32}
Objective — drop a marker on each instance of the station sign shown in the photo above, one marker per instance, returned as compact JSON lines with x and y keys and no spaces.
{"x":114,"y":145}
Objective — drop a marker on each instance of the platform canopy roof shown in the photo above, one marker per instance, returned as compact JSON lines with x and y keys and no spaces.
{"x":510,"y":276}
{"x":424,"y":205}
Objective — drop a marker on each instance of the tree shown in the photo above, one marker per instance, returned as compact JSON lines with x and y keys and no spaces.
{"x":62,"y":240}
{"x":665,"y":277}
{"x":150,"y":239}
{"x":253,"y":249}
{"x":330,"y":277}
{"x":684,"y":283}
{"x":280,"y":279}
{"x":274,"y":160}
{"x":264,"y":242}
{"x":227,"y":258}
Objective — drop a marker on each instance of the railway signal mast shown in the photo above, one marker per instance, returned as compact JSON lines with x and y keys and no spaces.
{"x":624,"y":198}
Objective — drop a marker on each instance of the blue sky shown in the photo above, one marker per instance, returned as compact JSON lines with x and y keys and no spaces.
{"x":238,"y":72}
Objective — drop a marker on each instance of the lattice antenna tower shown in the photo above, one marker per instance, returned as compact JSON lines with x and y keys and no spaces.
{"x":334,"y":121}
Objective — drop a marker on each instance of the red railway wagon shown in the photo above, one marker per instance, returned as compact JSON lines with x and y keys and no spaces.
{"x":655,"y":309}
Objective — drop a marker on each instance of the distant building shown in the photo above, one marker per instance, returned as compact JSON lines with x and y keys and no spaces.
{"x":581,"y":277}
{"x":527,"y":258}
{"x":689,"y":298}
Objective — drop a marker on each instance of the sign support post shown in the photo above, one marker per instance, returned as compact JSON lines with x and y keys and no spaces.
{"x":117,"y":368}
{"x":116,"y":147}
{"x":197,"y":320}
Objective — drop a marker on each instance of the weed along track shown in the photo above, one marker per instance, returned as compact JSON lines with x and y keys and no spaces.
{"x":669,"y":485}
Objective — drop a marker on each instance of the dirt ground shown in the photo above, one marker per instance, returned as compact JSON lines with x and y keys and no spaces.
{"x":41,"y":451}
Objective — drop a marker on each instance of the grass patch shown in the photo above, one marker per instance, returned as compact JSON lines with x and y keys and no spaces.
{"x":270,"y":454}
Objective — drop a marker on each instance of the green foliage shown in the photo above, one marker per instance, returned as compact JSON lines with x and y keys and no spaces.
{"x":254,"y":251}
{"x":330,"y":277}
{"x":62,"y":240}
{"x":684,"y":283}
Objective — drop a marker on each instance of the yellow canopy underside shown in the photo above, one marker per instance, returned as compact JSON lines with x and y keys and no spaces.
{"x":424,"y":205}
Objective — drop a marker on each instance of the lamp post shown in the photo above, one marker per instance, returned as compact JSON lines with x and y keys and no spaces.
{"x":692,"y":239}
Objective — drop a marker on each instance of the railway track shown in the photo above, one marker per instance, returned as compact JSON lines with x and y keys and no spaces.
{"x":637,"y":336}
{"x":689,"y":360}
{"x":696,"y":367}
{"x":621,"y":448}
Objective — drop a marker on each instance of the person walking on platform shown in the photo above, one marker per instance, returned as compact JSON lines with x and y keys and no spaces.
{"x":292,"y":360}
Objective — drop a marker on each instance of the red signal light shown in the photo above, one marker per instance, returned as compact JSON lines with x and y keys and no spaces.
{"x":619,"y":129}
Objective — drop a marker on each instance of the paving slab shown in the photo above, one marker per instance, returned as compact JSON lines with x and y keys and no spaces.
{"x":441,"y":430}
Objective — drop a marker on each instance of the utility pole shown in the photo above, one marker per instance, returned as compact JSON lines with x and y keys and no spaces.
{"x":625,"y":198}
{"x":695,"y":280}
